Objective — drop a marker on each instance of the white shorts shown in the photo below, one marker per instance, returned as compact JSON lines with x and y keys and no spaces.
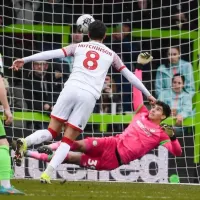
{"x":74,"y":107}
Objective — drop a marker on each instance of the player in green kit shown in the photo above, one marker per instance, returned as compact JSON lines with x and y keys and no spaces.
{"x":5,"y":160}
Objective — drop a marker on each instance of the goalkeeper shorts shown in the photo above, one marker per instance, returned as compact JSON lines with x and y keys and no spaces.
{"x":100,"y":154}
{"x":2,"y":130}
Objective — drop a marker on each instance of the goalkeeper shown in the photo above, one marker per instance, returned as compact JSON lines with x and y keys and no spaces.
{"x":5,"y":160}
{"x":143,"y":134}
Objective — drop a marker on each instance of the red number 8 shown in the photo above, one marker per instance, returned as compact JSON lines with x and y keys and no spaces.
{"x":93,"y":60}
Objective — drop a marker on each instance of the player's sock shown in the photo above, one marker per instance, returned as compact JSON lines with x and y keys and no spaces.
{"x":5,"y":166}
{"x":38,"y":137}
{"x":39,"y":156}
{"x":59,"y":155}
{"x":54,"y":145}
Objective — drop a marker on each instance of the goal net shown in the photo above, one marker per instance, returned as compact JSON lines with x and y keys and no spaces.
{"x":168,"y":31}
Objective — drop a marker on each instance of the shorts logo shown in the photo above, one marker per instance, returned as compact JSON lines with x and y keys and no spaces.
{"x":94,"y":143}
{"x":79,"y":125}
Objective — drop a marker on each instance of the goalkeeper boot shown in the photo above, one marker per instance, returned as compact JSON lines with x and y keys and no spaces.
{"x":45,"y":149}
{"x":10,"y":191}
{"x":45,"y":178}
{"x":21,"y":148}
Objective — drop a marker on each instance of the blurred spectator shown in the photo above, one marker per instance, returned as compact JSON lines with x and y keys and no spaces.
{"x":52,"y":12}
{"x":173,"y":65}
{"x":147,"y":14}
{"x":58,"y":78}
{"x":179,"y":21}
{"x":38,"y":90}
{"x":142,"y":4}
{"x":180,"y":15}
{"x":179,"y":100}
{"x":128,"y":49}
{"x":25,"y":11}
{"x":75,"y":38}
{"x":125,"y":45}
{"x":110,"y":103}
{"x":6,"y":13}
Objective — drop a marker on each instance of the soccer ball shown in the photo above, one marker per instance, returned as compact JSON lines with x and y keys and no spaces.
{"x":83,"y":23}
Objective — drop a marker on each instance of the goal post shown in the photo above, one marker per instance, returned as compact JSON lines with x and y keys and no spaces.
{"x":197,"y":116}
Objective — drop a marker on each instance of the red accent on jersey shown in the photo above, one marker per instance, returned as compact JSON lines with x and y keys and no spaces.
{"x":74,"y":127}
{"x":53,"y":133}
{"x":67,"y":141}
{"x":89,"y":58}
{"x":59,"y":119}
{"x":65,"y":53}
{"x":120,"y":69}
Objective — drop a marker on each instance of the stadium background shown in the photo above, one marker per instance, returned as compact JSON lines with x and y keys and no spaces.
{"x":26,"y":30}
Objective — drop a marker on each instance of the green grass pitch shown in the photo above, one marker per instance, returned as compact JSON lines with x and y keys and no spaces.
{"x":102,"y":191}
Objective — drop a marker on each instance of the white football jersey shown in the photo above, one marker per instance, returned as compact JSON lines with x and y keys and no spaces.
{"x":91,"y":64}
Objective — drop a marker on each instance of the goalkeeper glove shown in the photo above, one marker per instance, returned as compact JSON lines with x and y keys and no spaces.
{"x":144,"y":58}
{"x":169,"y":130}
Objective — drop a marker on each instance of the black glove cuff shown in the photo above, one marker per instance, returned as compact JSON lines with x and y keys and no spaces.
{"x":139,"y":66}
{"x":173,"y":138}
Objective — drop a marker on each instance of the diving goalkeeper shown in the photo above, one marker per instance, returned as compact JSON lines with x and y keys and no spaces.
{"x":143,"y":134}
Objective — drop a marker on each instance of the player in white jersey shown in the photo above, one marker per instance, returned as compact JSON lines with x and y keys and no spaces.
{"x":76,"y":102}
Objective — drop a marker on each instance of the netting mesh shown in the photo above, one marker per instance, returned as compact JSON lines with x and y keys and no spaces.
{"x":166,"y":29}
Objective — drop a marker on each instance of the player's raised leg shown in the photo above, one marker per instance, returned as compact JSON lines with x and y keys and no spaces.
{"x":60,"y":114}
{"x":48,"y":149}
{"x":84,"y":103}
{"x":39,"y":156}
{"x":37,"y":137}
{"x":45,"y":153}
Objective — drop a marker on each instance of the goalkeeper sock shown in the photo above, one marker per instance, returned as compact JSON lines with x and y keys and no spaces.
{"x":74,"y":147}
{"x":39,"y":156}
{"x":5,"y":166}
{"x":38,"y":137}
{"x":54,"y":145}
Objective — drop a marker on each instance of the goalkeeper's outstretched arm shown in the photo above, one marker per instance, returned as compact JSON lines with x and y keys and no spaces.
{"x":174,"y":147}
{"x":143,"y":59}
{"x":170,"y":141}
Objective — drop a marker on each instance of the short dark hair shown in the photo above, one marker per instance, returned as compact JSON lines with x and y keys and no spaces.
{"x":165,"y":107}
{"x":97,"y":30}
{"x":178,"y":74}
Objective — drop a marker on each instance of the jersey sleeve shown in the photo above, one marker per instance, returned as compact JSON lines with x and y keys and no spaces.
{"x":117,"y":63}
{"x":173,"y":147}
{"x":69,"y":50}
{"x":137,"y":96}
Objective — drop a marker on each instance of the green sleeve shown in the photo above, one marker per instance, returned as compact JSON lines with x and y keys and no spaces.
{"x":2,"y":131}
{"x":164,"y":142}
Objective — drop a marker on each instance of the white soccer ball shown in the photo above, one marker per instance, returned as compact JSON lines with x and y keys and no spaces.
{"x":83,"y":23}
